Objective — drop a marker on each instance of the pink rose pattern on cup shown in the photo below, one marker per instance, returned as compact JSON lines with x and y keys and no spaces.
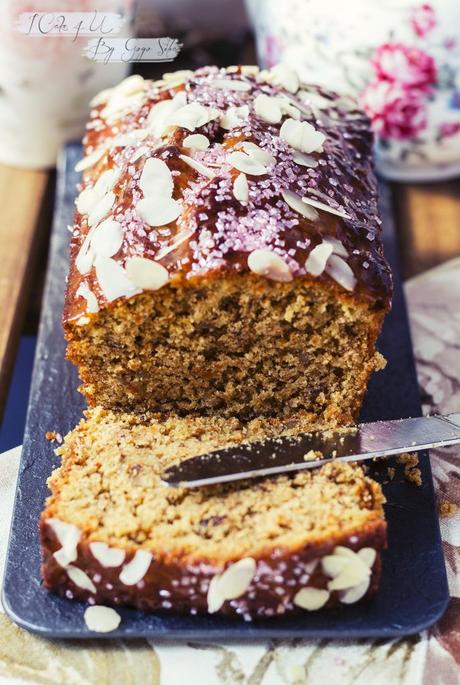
{"x":400,"y":60}
{"x":395,"y":110}
{"x":423,"y":19}
{"x":395,"y":99}
{"x":407,"y":66}
{"x":405,"y":76}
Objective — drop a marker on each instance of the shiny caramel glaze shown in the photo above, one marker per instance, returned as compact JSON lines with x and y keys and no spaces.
{"x":216,"y":232}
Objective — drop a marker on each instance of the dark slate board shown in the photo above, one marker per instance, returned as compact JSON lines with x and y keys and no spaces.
{"x":413,"y":593}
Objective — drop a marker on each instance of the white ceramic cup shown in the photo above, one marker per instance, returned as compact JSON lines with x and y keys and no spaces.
{"x":400,"y":58}
{"x":46,"y":84}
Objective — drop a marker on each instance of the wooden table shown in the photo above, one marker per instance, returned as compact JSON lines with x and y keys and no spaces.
{"x":427,"y":217}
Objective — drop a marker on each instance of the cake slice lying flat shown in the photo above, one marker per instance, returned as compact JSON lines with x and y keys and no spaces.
{"x":112,"y":533}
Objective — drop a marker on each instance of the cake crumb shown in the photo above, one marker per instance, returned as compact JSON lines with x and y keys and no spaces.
{"x":411,"y":473}
{"x":52,"y":436}
{"x":313,"y":455}
{"x":409,"y":460}
{"x":447,"y":509}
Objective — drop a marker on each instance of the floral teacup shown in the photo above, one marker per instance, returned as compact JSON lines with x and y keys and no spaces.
{"x":400,"y":58}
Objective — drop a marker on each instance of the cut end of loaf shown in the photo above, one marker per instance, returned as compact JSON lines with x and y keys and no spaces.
{"x":231,"y":346}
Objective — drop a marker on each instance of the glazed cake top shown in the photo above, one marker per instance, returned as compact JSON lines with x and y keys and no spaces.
{"x":224,"y":169}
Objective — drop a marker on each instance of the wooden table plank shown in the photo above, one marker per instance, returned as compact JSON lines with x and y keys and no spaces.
{"x":428,"y":223}
{"x":21,"y":195}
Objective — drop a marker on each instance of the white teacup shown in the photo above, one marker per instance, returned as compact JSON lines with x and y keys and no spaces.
{"x":46,"y":84}
{"x":400,"y":58}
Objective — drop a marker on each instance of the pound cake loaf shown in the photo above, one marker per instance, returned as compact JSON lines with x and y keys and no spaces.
{"x":226,"y":257}
{"x":112,"y":533}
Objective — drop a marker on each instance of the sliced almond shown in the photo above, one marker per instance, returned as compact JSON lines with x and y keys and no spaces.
{"x":317,"y":259}
{"x":314,"y":98}
{"x":102,"y":209}
{"x":304,"y":160}
{"x":333,"y":564}
{"x":268,"y":108}
{"x":326,"y":208}
{"x":127,"y":95}
{"x":295,"y":202}
{"x":338,"y":269}
{"x":368,"y":556}
{"x":162,"y":111}
{"x":196,"y":141}
{"x":107,"y":238}
{"x":258,"y":153}
{"x":101,"y":98}
{"x":140,"y":152}
{"x":170,"y":247}
{"x":192,"y":116}
{"x":108,"y":557}
{"x":86,"y":293}
{"x":112,"y":279}
{"x":234,"y":117}
{"x":156,"y":178}
{"x":354,"y":594}
{"x":87,"y":200}
{"x":106,"y":181}
{"x":159,"y":210}
{"x":101,"y":619}
{"x":68,"y":537}
{"x":198,"y":166}
{"x":85,"y":257}
{"x":241,"y":188}
{"x":250,"y":69}
{"x":89,"y":197}
{"x":266,"y":263}
{"x":230,"y":584}
{"x":134,"y":571}
{"x":120,"y":104}
{"x":288,"y":107}
{"x":311,"y":598}
{"x":131,"y":85}
{"x":286,"y":77}
{"x":338,"y":247}
{"x":177,"y":78}
{"x":343,"y":551}
{"x":302,"y":136}
{"x":91,"y":159}
{"x":146,"y":274}
{"x":353,"y":573}
{"x":80,"y":578}
{"x":246,"y":164}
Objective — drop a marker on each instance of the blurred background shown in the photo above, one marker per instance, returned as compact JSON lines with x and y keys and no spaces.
{"x":399,"y":58}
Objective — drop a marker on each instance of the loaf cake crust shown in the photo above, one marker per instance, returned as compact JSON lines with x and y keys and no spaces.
{"x":263,"y":291}
{"x":227,"y":283}
{"x":111,"y":533}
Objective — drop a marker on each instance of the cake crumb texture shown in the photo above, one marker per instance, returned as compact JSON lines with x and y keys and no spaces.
{"x":113,"y":533}
{"x":109,"y":486}
{"x":447,"y":509}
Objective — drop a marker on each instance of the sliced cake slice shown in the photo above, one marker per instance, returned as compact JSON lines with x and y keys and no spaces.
{"x":112,"y":533}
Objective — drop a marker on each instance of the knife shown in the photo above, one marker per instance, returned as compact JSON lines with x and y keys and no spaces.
{"x":295,"y":453}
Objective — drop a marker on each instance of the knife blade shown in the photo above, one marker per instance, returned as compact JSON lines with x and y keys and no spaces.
{"x":294,"y":453}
